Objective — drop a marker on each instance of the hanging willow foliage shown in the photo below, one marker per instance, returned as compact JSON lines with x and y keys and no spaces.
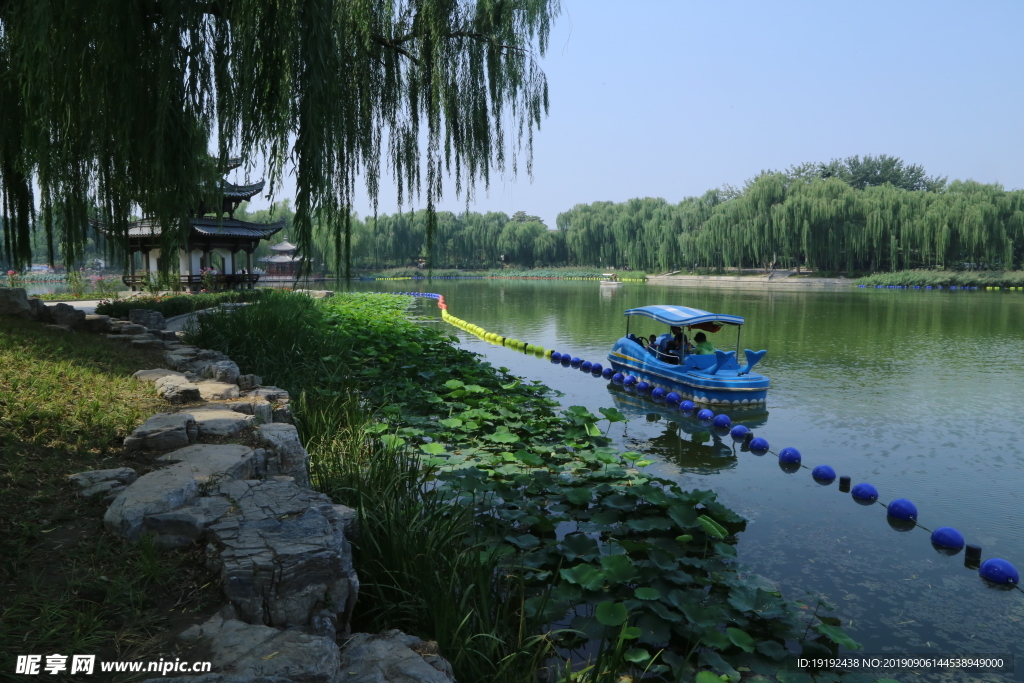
{"x":823,"y":223}
{"x":109,"y":106}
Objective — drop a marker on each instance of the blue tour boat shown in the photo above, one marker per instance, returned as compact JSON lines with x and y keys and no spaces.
{"x":716,"y":379}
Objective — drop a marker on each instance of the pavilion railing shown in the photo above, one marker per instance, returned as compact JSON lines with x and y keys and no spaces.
{"x":195,"y":282}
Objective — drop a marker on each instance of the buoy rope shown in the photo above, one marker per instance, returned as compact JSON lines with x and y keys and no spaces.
{"x":994,"y":569}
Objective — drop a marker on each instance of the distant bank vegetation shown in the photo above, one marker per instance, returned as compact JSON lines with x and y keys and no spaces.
{"x":852,"y":216}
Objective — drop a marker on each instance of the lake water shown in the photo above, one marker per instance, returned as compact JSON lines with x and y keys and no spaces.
{"x":920,"y":393}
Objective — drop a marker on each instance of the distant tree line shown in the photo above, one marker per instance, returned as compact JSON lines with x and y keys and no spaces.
{"x":857,"y":214}
{"x":871,"y":214}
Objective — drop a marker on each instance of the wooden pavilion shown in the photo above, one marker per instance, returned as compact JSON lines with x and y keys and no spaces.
{"x":213,"y":242}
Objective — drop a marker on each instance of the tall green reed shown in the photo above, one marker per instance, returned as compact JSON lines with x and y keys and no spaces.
{"x":423,"y":565}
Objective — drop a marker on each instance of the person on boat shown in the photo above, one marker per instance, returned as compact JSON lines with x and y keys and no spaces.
{"x":676,"y":347}
{"x":702,"y":346}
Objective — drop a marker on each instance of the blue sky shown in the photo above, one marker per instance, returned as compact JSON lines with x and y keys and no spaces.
{"x":669,"y":99}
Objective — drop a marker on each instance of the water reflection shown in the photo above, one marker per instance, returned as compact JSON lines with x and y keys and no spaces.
{"x":691,"y":445}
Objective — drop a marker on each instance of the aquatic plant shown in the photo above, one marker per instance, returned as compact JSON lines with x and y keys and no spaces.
{"x":605,"y":558}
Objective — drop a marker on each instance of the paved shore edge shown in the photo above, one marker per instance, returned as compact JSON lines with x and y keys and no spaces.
{"x":777,"y":281}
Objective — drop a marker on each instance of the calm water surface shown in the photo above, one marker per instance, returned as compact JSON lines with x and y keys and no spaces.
{"x":919,"y":393}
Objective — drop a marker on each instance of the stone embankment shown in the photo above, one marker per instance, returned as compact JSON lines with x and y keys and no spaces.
{"x":778,"y":281}
{"x":232,"y":475}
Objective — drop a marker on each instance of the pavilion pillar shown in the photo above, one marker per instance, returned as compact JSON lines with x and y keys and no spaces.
{"x":248,"y":267}
{"x":191,"y":267}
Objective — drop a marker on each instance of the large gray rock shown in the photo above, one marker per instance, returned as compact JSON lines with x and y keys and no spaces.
{"x":195,"y":468}
{"x":99,"y":324}
{"x":220,"y":423}
{"x":66,"y":315}
{"x":38,"y":309}
{"x":151,"y":320}
{"x":162,"y":432}
{"x":271,"y":393}
{"x":212,"y":390}
{"x":186,"y":525}
{"x":289,"y":458}
{"x":393,"y":657}
{"x":14,"y":301}
{"x":282,"y":554}
{"x":247,"y":382}
{"x":177,"y":389}
{"x":250,"y":652}
{"x":222,"y":371}
{"x":257,"y":407}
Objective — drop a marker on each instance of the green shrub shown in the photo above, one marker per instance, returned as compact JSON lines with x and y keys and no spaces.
{"x":946,"y":278}
{"x":176,"y":304}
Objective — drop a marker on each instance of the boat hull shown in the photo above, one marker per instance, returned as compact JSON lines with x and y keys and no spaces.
{"x":725,"y":387}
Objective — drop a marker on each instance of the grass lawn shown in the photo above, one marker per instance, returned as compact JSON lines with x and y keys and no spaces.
{"x":66,"y":585}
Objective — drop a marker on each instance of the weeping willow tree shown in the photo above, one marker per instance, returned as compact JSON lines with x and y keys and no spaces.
{"x":800,"y":218}
{"x":110,"y":107}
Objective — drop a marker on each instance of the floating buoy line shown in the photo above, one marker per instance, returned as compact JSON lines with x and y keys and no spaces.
{"x":901,"y":513}
{"x":496,"y":277}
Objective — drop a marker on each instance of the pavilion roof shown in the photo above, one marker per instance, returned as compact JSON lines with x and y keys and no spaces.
{"x":232,"y":191}
{"x":284,"y":246}
{"x":281,"y":258}
{"x":212,"y":227}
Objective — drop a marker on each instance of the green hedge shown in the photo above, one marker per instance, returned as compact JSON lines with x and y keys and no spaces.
{"x":176,"y":304}
{"x":945,"y":278}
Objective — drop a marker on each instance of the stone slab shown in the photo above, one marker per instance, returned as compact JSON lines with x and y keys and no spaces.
{"x":251,"y":651}
{"x":162,"y":432}
{"x":282,"y":554}
{"x":155,"y":374}
{"x":289,"y":457}
{"x":83,"y":480}
{"x":219,"y":423}
{"x":212,"y":390}
{"x":195,"y":468}
{"x":177,"y":389}
{"x":393,"y":657}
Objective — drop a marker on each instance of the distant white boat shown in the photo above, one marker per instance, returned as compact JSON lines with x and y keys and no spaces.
{"x":613,"y":280}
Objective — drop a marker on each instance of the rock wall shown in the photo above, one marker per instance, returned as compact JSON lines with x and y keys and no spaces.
{"x":232,"y":475}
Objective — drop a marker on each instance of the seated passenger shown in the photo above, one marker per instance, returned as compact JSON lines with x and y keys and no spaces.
{"x":702,"y":347}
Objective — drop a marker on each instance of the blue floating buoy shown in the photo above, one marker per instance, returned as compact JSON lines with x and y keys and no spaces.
{"x":901,"y":508}
{"x":596,"y":368}
{"x":824,"y":473}
{"x":723,"y":421}
{"x":566,"y":361}
{"x":629,"y":380}
{"x":865,"y":492}
{"x":686,"y":406}
{"x":607,"y":373}
{"x":705,"y":414}
{"x":642,"y":386}
{"x":672,"y":398}
{"x":555,"y":356}
{"x":759,"y":445}
{"x":575,"y":362}
{"x":790,"y":456}
{"x":618,"y":378}
{"x":999,"y":571}
{"x":657,"y":393}
{"x":586,"y":365}
{"x":739,"y":432}
{"x":948,"y":537}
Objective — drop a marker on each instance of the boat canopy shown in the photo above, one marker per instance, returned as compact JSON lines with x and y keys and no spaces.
{"x":684,"y":316}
